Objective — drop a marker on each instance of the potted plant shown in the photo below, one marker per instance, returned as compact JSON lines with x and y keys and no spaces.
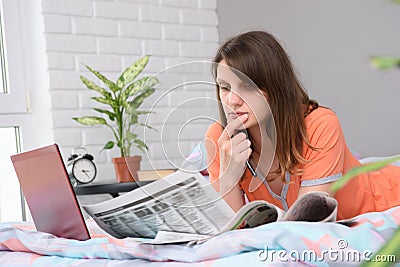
{"x":123,"y":99}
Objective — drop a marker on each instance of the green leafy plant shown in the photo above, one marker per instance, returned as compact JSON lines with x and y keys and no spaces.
{"x":360,"y":170}
{"x":124,"y":97}
{"x":385,"y":63}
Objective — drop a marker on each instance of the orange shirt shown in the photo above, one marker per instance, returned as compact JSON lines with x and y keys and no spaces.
{"x":375,"y":191}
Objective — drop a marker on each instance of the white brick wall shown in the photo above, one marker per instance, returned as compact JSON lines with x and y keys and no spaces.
{"x":140,"y":29}
{"x":161,"y":48}
{"x":70,"y":43}
{"x":159,"y":14}
{"x":120,"y":46}
{"x":103,"y":62}
{"x":115,"y":10}
{"x":57,"y":24}
{"x":90,"y":26}
{"x":109,"y":36}
{"x":179,"y":32}
{"x":69,"y":7}
{"x":201,"y":17}
{"x":60,"y":61}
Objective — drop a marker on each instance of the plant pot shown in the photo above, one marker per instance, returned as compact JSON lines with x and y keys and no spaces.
{"x":126,"y":168}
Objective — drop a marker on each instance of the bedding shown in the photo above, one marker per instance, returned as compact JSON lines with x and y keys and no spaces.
{"x":274,"y":244}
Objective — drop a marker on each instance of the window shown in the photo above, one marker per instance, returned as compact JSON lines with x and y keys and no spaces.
{"x":10,"y":144}
{"x":3,"y":78}
{"x":12,"y":91}
{"x":13,"y":108}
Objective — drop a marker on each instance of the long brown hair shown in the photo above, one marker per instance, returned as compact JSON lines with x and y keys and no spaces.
{"x":259,"y":55}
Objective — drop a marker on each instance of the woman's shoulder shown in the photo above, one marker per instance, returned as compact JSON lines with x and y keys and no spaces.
{"x":321,"y":116}
{"x":323,"y":124}
{"x":320,"y":112}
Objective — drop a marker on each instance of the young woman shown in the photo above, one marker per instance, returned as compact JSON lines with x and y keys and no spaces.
{"x":294,"y":145}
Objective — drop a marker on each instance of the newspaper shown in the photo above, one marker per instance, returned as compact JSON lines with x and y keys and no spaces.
{"x":184,"y":207}
{"x":181,"y":202}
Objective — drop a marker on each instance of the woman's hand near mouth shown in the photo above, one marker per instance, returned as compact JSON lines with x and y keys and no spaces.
{"x":234,"y":151}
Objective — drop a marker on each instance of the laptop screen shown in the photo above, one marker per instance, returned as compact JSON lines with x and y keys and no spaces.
{"x":49,"y":194}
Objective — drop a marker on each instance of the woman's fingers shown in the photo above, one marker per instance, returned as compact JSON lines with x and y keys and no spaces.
{"x":241,"y":146}
{"x":234,"y":149}
{"x":233,"y":126}
{"x":238,"y":145}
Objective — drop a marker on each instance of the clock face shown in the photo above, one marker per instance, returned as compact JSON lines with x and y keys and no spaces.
{"x":84,"y":170}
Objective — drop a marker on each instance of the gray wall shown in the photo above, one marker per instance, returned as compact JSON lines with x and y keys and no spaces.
{"x":330,"y":43}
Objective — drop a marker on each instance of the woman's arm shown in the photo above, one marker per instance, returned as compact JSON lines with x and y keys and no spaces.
{"x":321,"y":188}
{"x":230,"y":192}
{"x":325,"y":163}
{"x":226,"y":158}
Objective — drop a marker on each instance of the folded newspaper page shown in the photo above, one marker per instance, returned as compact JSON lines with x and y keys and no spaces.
{"x":253,"y":214}
{"x":311,"y":207}
{"x":184,"y":207}
{"x":181,"y":202}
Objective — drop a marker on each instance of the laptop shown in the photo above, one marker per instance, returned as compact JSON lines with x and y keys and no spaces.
{"x":49,"y":193}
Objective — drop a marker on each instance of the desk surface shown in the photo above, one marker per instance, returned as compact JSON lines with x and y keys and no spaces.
{"x":154,"y":174}
{"x":112,"y":188}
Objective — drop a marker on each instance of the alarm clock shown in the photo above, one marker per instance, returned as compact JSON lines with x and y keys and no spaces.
{"x":81,"y":168}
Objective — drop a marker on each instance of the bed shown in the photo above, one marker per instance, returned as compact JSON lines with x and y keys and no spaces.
{"x":274,"y":244}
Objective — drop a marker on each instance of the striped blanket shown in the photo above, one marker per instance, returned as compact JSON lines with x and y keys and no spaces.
{"x":274,"y":244}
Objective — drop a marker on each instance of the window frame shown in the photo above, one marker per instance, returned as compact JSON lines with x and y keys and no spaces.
{"x":15,"y":100}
